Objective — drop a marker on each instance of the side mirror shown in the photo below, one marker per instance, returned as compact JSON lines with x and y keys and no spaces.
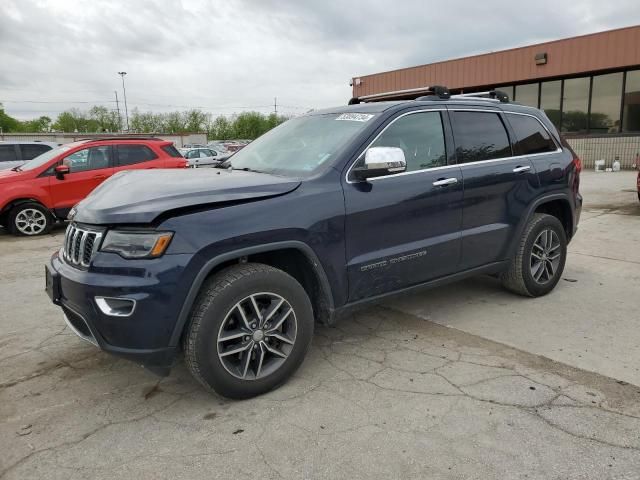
{"x":380,"y":161}
{"x":61,"y":171}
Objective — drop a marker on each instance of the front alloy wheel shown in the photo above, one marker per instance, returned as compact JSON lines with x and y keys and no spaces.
{"x":257,"y":336}
{"x":30,"y":219}
{"x":250,"y":329}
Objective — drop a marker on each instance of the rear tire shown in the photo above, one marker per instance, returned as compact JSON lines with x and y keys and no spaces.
{"x":540,"y":257}
{"x":30,"y":219}
{"x":242,"y":340}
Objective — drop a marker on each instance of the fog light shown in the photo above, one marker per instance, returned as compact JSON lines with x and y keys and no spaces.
{"x":116,"y":307}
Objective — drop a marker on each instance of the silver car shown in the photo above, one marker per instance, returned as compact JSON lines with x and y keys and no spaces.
{"x":14,"y":153}
{"x":202,"y":157}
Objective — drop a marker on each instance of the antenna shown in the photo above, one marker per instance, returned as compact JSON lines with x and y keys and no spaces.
{"x":275,"y":105}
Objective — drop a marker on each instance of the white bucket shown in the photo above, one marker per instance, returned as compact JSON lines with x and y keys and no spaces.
{"x":599,"y":165}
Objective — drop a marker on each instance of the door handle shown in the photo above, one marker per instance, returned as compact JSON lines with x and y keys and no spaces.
{"x":443,"y":182}
{"x":100,"y":177}
{"x":522,"y":169}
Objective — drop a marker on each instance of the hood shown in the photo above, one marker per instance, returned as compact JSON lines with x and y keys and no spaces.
{"x":140,"y":196}
{"x":9,"y":175}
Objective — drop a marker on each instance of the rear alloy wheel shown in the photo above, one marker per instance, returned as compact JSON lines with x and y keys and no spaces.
{"x":30,"y":219}
{"x":539,"y":261}
{"x":250,"y":330}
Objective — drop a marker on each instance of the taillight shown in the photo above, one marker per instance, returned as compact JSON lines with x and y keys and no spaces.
{"x":577,"y":162}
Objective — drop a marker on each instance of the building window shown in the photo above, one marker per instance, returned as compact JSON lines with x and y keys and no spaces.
{"x":527,"y":94}
{"x":575,"y":105}
{"x":550,"y":94}
{"x":605,"y":103}
{"x":631,"y":108}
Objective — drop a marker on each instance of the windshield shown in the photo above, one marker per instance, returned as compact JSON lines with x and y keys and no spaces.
{"x":300,"y":146}
{"x":45,"y":157}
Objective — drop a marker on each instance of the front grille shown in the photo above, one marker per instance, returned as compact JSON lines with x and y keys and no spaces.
{"x":80,"y":244}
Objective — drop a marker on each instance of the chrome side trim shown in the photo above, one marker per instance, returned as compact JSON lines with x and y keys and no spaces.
{"x":503,"y":159}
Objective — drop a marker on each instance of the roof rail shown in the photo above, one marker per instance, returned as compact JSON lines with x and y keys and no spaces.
{"x":437,"y":90}
{"x":491,"y":95}
{"x":122,"y":137}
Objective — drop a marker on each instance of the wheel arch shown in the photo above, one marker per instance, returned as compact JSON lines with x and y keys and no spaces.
{"x":283,"y":255}
{"x":557,"y":204}
{"x":4,"y":212}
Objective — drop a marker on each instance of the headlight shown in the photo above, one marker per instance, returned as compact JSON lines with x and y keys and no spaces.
{"x":136,"y":244}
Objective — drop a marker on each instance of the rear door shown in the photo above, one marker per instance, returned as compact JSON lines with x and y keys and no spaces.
{"x":88,"y":168}
{"x":498,"y":185}
{"x":404,"y":229}
{"x":135,"y":156}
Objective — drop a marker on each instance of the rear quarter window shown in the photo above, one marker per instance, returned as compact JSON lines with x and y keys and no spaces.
{"x":531,"y":136}
{"x":171,"y":151}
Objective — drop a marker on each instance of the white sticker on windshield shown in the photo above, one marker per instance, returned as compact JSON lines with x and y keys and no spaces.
{"x":355,"y":117}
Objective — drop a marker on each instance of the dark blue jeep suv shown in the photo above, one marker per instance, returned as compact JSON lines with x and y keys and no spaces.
{"x":231,"y":266}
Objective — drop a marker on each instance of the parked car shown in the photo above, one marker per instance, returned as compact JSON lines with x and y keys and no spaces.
{"x":193,"y":145}
{"x":14,"y":153}
{"x":41,"y":191}
{"x":321,"y":214}
{"x":203,"y":157}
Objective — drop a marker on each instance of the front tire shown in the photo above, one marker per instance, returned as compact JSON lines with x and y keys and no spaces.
{"x":250,"y":330}
{"x":30,"y":219}
{"x":539,"y":261}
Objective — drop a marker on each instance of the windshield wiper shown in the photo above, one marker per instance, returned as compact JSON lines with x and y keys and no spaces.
{"x":16,"y":169}
{"x":248,"y":169}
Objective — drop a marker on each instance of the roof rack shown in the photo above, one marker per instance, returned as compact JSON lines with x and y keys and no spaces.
{"x":490,"y":95}
{"x":122,"y":137}
{"x":435,"y":91}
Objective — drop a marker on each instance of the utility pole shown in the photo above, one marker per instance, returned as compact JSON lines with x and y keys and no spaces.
{"x":118,"y":109}
{"x":126,"y":110}
{"x":275,"y":106}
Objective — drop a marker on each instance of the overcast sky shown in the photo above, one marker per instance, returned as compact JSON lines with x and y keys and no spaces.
{"x":227,"y":56}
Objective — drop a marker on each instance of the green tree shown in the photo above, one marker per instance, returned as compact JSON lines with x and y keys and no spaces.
{"x":146,"y":122}
{"x":8,"y":123}
{"x":195,"y":120}
{"x":41,"y":124}
{"x":105,"y":120}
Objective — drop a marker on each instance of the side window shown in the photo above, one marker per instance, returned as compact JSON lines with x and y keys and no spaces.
{"x":132,"y":154}
{"x":8,"y":153}
{"x":93,"y":158}
{"x":420,"y":136}
{"x":204,"y":153}
{"x":479,"y":136}
{"x":192,"y":154}
{"x":171,"y":151}
{"x":32,"y":151}
{"x":531,"y":136}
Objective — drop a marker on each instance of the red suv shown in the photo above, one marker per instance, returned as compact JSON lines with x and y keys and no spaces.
{"x":39,"y":192}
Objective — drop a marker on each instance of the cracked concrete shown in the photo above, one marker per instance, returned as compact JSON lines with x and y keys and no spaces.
{"x":385,"y":394}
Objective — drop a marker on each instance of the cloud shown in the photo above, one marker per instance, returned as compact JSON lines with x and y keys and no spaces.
{"x":233,"y":55}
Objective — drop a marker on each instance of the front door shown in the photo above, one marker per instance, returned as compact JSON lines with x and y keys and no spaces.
{"x":88,"y":168}
{"x":404,"y":229}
